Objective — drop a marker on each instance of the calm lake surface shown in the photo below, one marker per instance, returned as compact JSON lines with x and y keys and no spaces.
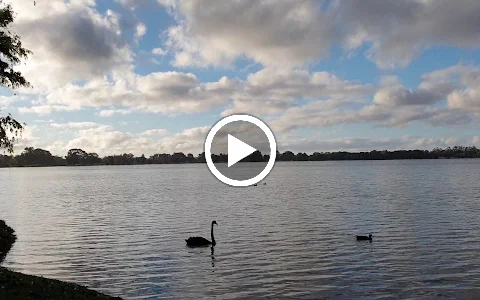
{"x":122,"y":229}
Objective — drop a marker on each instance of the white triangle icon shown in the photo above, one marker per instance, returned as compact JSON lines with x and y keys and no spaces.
{"x":237,"y":150}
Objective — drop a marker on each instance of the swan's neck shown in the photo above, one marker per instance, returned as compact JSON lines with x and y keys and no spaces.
{"x":213,"y":239}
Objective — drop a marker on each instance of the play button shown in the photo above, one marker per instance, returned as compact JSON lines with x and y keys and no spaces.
{"x":240,"y":150}
{"x":237,"y":150}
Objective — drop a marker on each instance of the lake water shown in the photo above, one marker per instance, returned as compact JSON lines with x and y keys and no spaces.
{"x":121,"y":230}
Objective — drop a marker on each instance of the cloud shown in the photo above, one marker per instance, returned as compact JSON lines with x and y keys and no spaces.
{"x":140,"y":31}
{"x":28,"y":138}
{"x":468,"y":99}
{"x":217,"y":33}
{"x":151,"y":132}
{"x":174,"y":92}
{"x":106,"y":141}
{"x":464,"y":74}
{"x":298,"y":32}
{"x":132,"y":4}
{"x":398,"y":95}
{"x":159,"y":92}
{"x":111,"y":112}
{"x":75,"y":125}
{"x":320,"y":114}
{"x":45,"y":109}
{"x":398,"y":31}
{"x":5,"y":101}
{"x":287,"y":83}
{"x":71,"y":41}
{"x":95,"y":93}
{"x":356,"y":144}
{"x":476,"y":141}
{"x":159,"y":51}
{"x":290,"y":98}
{"x":466,"y":79}
{"x":270,"y":90}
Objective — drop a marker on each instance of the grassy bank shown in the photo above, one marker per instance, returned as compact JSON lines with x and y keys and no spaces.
{"x":14,"y":285}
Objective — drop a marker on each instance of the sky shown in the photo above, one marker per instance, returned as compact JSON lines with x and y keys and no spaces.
{"x":152,"y":76}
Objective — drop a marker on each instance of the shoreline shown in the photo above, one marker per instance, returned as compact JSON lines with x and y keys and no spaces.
{"x":78,"y":157}
{"x":15,"y":285}
{"x":222,"y":162}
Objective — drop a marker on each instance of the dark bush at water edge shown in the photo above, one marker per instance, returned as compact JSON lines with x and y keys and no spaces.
{"x":7,"y":238}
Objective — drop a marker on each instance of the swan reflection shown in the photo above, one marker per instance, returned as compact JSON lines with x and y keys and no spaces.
{"x":213,"y":258}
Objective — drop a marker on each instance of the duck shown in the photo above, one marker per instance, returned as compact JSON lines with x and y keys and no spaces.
{"x":364,"y":237}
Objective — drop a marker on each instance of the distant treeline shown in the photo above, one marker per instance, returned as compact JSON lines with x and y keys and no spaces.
{"x":77,"y":157}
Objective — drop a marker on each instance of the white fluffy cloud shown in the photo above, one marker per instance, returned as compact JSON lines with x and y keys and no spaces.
{"x":152,"y":132}
{"x":140,"y":30}
{"x":174,"y":92}
{"x":45,"y":109}
{"x":159,"y":51}
{"x":273,"y":90}
{"x":398,"y":95}
{"x":71,"y":41}
{"x":211,"y":32}
{"x":275,"y":83}
{"x":319,"y":114}
{"x":399,"y":31}
{"x":75,"y":125}
{"x":106,"y":141}
{"x":467,"y":96}
{"x":111,"y":112}
{"x":468,"y":99}
{"x":270,"y":90}
{"x":282,"y":32}
{"x":6,"y":101}
{"x":84,"y":58}
{"x":466,"y":79}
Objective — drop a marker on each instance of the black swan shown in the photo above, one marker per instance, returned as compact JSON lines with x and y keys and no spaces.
{"x":197,"y":241}
{"x":364,"y":238}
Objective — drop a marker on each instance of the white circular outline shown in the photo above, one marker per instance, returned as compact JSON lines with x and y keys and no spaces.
{"x":271,"y":142}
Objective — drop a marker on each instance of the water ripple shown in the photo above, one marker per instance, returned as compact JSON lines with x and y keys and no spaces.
{"x":121,"y":230}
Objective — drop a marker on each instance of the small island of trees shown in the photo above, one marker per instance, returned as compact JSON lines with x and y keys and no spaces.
{"x":36,"y":157}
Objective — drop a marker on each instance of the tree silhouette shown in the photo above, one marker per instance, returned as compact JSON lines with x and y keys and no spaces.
{"x":12,"y":53}
{"x":78,"y":157}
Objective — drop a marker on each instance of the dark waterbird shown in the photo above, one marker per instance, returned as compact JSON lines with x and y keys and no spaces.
{"x":198,"y":241}
{"x":364,"y":237}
